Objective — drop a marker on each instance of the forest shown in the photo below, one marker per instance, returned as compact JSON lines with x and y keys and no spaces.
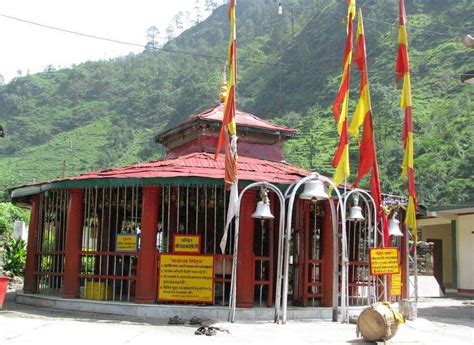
{"x":102,"y":114}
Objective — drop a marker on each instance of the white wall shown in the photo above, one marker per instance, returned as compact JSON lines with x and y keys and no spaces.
{"x":465,"y":249}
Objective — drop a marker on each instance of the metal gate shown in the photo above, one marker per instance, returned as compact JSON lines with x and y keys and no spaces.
{"x":107,"y":274}
{"x":362,"y":287}
{"x":51,"y":242}
{"x":198,"y":210}
{"x":309,"y":263}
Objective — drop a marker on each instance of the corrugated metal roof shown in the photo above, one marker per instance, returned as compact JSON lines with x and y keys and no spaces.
{"x":202,"y":164}
{"x":242,"y":118}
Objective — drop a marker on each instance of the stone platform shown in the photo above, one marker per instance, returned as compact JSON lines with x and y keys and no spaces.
{"x":165,"y":311}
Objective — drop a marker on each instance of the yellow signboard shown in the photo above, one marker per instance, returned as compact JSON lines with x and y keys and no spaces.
{"x":384,"y":261}
{"x":126,"y":243}
{"x":187,"y":244}
{"x":186,"y":278}
{"x":396,"y":289}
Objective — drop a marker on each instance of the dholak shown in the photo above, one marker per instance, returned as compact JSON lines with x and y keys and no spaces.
{"x":378,"y":322}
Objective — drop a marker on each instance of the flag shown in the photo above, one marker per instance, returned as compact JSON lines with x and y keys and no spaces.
{"x":363,"y":115}
{"x":402,"y":69}
{"x":228,"y":130}
{"x":341,"y":157}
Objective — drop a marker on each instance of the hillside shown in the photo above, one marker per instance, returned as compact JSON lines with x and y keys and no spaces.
{"x":104,"y":114}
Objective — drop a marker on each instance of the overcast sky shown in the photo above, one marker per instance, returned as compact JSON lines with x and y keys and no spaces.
{"x":31,"y":48}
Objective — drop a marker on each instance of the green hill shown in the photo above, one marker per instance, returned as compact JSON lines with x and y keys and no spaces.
{"x":104,"y":114}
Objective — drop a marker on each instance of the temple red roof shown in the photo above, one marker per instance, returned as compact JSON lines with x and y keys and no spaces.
{"x":243,"y":120}
{"x":202,"y":164}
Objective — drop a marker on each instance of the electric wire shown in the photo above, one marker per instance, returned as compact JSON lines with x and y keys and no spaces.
{"x":465,"y":30}
{"x":212,"y":57}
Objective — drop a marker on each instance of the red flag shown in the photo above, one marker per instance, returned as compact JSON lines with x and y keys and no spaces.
{"x":363,"y":114}
{"x":340,"y":106}
{"x":402,"y":68}
{"x":228,"y":130}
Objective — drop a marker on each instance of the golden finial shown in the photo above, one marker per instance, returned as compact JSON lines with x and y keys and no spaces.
{"x":223,"y":90}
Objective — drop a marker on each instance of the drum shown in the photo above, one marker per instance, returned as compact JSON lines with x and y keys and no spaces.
{"x":378,"y":322}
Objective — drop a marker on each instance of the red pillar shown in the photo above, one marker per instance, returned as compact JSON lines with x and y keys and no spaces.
{"x":75,"y":221}
{"x":31,"y":258}
{"x":246,"y":261}
{"x":327,"y":256}
{"x":146,"y":269}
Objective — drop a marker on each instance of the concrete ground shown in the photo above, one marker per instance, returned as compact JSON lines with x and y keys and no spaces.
{"x":439,"y":321}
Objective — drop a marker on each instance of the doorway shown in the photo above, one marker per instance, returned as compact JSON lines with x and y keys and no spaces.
{"x":437,"y":260}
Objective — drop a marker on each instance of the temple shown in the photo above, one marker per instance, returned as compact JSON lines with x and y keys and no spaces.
{"x":149,"y":233}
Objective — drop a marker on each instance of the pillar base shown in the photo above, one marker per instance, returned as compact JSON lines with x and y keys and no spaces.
{"x":70,"y":296}
{"x":144,"y":300}
{"x":241,"y":304}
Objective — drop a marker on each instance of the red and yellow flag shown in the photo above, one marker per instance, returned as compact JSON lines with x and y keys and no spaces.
{"x":402,"y":70}
{"x":340,"y":106}
{"x":363,"y":115}
{"x":228,"y":130}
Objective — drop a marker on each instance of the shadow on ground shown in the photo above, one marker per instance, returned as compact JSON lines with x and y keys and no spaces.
{"x":454,"y":315}
{"x":13,"y":309}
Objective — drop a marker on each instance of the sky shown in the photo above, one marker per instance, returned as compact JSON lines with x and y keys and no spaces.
{"x":31,"y":48}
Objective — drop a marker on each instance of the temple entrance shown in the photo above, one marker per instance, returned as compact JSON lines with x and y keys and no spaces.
{"x":307,"y":262}
{"x":198,"y":211}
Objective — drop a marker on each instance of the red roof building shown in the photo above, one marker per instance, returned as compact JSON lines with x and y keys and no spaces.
{"x":90,"y":223}
{"x":150,"y":232}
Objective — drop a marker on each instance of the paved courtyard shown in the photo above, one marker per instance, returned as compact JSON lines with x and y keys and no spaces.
{"x":440,"y":321}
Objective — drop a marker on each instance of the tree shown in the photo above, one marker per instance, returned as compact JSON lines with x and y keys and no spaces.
{"x":170,"y":32}
{"x":197,"y":7}
{"x":210,"y":5}
{"x":178,"y":20}
{"x":152,"y":38}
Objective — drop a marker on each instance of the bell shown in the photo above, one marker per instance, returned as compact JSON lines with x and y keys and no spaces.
{"x":262,"y":211}
{"x":355,"y":214}
{"x":314,"y":190}
{"x":394,"y":226}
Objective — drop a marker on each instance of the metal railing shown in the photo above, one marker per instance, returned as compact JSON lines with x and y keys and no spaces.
{"x":198,"y":210}
{"x":106,"y":273}
{"x":51,"y":241}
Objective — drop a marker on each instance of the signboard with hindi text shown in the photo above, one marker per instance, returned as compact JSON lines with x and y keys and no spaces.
{"x":126,"y":243}
{"x":186,"y":244}
{"x":186,"y":278}
{"x":384,"y":261}
{"x":396,"y":288}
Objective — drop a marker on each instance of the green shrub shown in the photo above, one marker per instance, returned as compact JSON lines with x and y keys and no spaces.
{"x":14,"y":257}
{"x":8,"y":214}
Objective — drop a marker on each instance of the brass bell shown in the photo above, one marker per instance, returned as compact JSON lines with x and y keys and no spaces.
{"x":355,"y":213}
{"x":314,"y":190}
{"x":394,"y":226}
{"x":262,"y":211}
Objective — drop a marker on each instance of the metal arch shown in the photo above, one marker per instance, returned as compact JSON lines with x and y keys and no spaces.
{"x":344,"y":255}
{"x":368,"y":200}
{"x":233,"y":288}
{"x":294,"y":188}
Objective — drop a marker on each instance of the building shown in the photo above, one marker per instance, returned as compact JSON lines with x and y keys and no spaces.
{"x":149,"y":233}
{"x":450,"y":228}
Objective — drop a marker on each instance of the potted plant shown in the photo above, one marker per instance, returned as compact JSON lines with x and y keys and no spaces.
{"x":3,"y":279}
